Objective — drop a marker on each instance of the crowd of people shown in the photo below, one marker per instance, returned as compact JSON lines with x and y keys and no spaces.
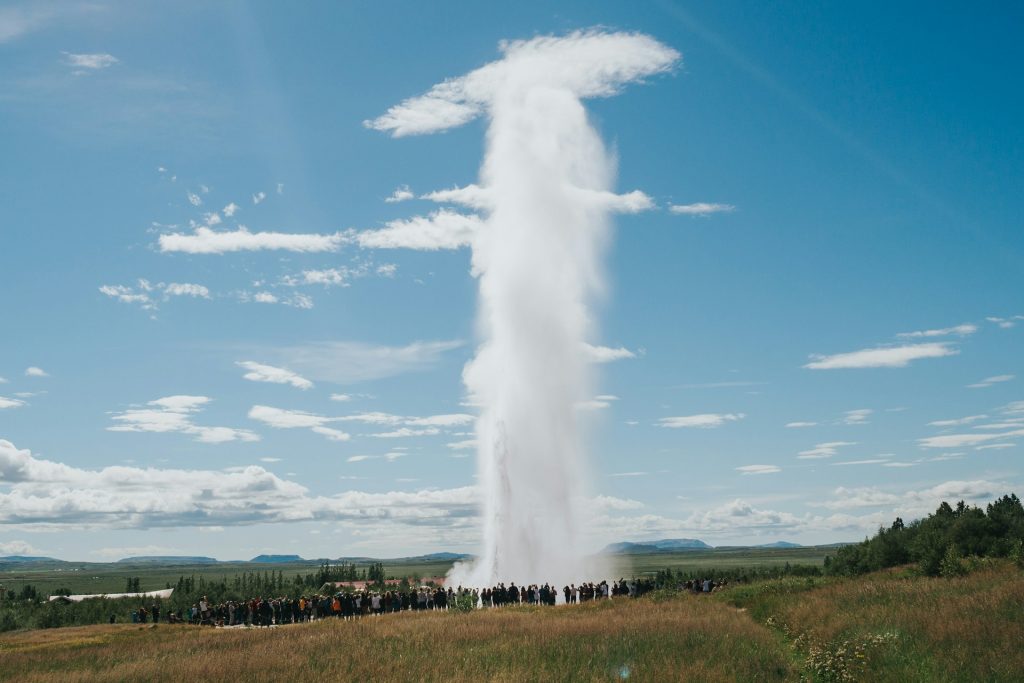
{"x":262,"y":611}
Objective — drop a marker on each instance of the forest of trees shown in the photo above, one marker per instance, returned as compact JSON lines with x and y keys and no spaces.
{"x":939,"y":541}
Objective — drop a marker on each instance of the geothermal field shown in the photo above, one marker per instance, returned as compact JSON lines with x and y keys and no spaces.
{"x":552,"y":341}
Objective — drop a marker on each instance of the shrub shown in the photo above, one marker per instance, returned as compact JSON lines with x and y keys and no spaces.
{"x":951,"y":565}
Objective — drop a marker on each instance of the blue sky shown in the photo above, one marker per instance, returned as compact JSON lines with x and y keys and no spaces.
{"x":861,"y":166}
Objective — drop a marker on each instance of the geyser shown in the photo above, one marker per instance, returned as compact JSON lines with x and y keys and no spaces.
{"x":545,"y":193}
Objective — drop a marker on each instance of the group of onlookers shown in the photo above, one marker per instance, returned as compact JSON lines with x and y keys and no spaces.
{"x":349,"y":604}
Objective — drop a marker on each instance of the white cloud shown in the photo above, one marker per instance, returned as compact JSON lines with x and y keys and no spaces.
{"x":45,"y":495}
{"x":387,"y":269}
{"x":259,"y":197}
{"x":449,"y":420}
{"x":958,"y":421}
{"x":701,"y":209}
{"x":630,"y":202}
{"x":882,"y":357}
{"x":704,"y":420}
{"x":18,"y":548}
{"x":401,"y":194}
{"x":824,"y":450}
{"x":174,"y":414}
{"x":279,"y":418}
{"x":206,"y":241}
{"x":271,"y":460}
{"x":912,"y":504}
{"x":92,"y":62}
{"x":33,"y":371}
{"x":350,"y":362}
{"x":587,"y":63}
{"x":628,"y":474}
{"x":471,"y":196}
{"x":1005,"y":323}
{"x":404,"y":432}
{"x":962,"y":440}
{"x":10,"y":402}
{"x":264,"y":298}
{"x":604,"y":503}
{"x":798,"y":425}
{"x":468,"y":444}
{"x":187,"y":289}
{"x":989,"y":381}
{"x":869,"y":461}
{"x":194,"y":199}
{"x":994,"y":446}
{"x":606,"y":354}
{"x":758,"y":469}
{"x":341,"y":397}
{"x":231,"y":209}
{"x":280,"y":188}
{"x":268,"y":373}
{"x":442,"y":229}
{"x":857,"y":417}
{"x":961,"y":330}
{"x":148,"y":295}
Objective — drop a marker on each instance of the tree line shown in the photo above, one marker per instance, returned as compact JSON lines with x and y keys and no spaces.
{"x":939,"y":542}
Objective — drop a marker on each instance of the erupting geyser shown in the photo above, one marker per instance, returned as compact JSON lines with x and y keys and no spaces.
{"x":545,"y":194}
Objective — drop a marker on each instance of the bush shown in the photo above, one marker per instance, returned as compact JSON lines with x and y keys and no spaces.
{"x":464,"y":603}
{"x":951,"y":565}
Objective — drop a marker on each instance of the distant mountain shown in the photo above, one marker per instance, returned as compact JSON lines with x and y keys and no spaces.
{"x":276,"y":559}
{"x":167,"y":559}
{"x":779,"y":544}
{"x":26,"y":558}
{"x":443,"y":557}
{"x":662,"y":546}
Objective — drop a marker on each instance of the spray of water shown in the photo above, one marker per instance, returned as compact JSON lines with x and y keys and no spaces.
{"x":546,"y":192}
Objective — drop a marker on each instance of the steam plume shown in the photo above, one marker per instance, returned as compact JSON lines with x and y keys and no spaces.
{"x":546,"y":192}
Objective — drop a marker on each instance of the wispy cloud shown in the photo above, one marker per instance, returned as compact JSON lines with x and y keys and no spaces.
{"x":175,"y":414}
{"x":960,"y":330}
{"x":824,"y":450}
{"x":606,"y":354}
{"x":401,"y":194}
{"x":442,"y":229}
{"x":882,"y":357}
{"x":703,"y":420}
{"x":84,"y":63}
{"x":857,"y":417}
{"x":6,"y":402}
{"x":350,"y":362}
{"x":989,"y":381}
{"x":259,"y":372}
{"x":148,"y":295}
{"x":799,"y":425}
{"x":279,"y":418}
{"x":758,"y":469}
{"x":958,"y":421}
{"x":33,"y":371}
{"x":700,"y":209}
{"x":206,"y":241}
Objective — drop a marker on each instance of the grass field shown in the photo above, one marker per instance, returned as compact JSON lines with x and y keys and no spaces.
{"x":888,"y":626}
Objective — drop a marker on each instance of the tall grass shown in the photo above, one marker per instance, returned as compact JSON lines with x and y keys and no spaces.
{"x":687,"y":638}
{"x":898,"y":626}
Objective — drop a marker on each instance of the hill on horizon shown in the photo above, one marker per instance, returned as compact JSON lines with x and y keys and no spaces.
{"x":677,"y":544}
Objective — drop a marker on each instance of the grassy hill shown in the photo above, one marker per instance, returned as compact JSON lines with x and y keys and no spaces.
{"x":894,"y":625}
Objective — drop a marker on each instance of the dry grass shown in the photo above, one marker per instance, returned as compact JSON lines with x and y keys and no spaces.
{"x":690,"y":638}
{"x":964,"y":629}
